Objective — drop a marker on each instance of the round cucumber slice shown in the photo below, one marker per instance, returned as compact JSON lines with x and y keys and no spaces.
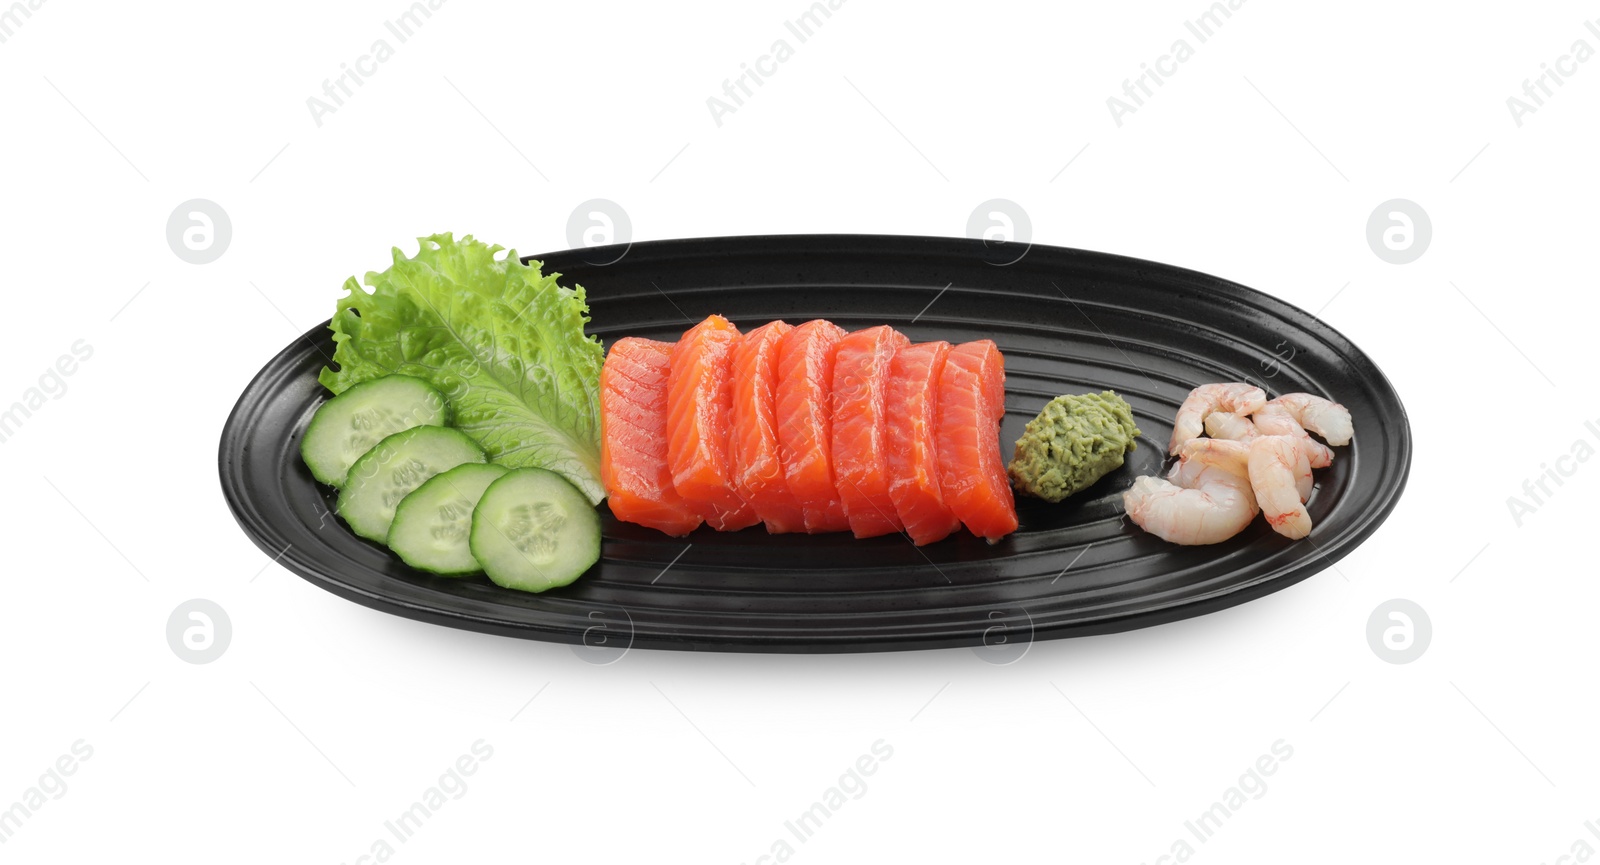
{"x":431,"y":524}
{"x":393,"y":468}
{"x":533,"y":530}
{"x":348,"y":425}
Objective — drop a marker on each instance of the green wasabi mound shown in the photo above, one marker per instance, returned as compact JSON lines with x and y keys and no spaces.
{"x":1075,"y":441}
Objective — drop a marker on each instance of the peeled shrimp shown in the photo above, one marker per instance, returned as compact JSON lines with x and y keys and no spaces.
{"x":1236,"y":397}
{"x":1272,"y":469}
{"x":1292,"y":414}
{"x":1237,"y":427}
{"x":1206,"y":498}
{"x":1324,"y":417}
{"x":1228,"y":425}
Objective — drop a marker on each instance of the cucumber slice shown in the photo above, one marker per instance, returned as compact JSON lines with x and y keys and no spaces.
{"x":533,"y":530}
{"x":431,"y":525}
{"x":348,"y":425}
{"x":393,"y":468}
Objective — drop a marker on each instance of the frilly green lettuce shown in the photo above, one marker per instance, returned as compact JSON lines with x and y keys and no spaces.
{"x":502,"y":341}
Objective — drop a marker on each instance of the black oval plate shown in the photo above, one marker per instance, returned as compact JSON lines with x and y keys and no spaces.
{"x":1068,"y":321}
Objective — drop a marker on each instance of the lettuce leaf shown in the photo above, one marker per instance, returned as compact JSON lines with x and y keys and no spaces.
{"x":503,"y":342}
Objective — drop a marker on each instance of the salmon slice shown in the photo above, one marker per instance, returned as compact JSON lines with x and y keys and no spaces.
{"x":633,"y":439}
{"x":860,"y":431}
{"x":805,"y":422}
{"x":757,"y":456}
{"x":910,"y":409}
{"x":699,"y":417}
{"x":972,"y":475}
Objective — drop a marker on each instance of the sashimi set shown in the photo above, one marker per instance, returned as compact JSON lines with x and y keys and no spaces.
{"x":476,"y":426}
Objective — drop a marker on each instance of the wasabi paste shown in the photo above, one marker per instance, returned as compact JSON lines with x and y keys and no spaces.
{"x":1075,"y":441}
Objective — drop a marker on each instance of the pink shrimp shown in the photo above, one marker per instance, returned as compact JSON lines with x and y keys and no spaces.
{"x":1236,"y":397}
{"x":1294,"y":413}
{"x":1205,"y":499}
{"x":1272,"y":477}
{"x":1237,"y":427}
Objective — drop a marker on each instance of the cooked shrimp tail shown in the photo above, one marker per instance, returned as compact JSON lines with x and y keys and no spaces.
{"x":1228,"y":425}
{"x":1279,"y":418}
{"x":1303,"y":481}
{"x":1239,"y":428}
{"x":1236,"y":397}
{"x":1206,"y":498}
{"x":1273,"y":477}
{"x":1324,"y":417}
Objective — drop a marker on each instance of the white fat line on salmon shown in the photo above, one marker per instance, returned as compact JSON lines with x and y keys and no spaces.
{"x":1155,"y":74}
{"x":1252,"y":785}
{"x":738,"y":88}
{"x":852,"y":785}
{"x":1537,"y":488}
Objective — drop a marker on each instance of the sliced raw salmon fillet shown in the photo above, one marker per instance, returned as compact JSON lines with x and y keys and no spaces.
{"x":860,"y":429}
{"x":757,"y":456}
{"x":972,"y":475}
{"x":633,"y":439}
{"x":910,"y":409}
{"x":805,"y":422}
{"x":699,"y":417}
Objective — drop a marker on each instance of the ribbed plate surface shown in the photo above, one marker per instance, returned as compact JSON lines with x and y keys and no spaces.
{"x":1067,"y":321}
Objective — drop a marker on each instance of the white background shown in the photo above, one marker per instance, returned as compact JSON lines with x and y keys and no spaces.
{"x":1260,"y":160}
